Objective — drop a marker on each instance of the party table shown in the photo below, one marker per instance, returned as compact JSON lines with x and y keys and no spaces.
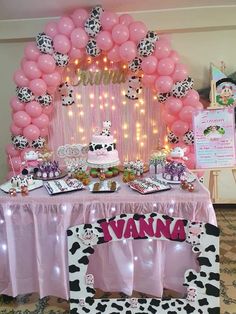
{"x":33,"y":246}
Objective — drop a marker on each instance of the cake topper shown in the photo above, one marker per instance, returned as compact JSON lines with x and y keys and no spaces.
{"x":106,"y":128}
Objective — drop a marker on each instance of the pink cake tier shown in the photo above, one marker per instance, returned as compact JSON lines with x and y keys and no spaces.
{"x":102,"y":151}
{"x":174,"y":171}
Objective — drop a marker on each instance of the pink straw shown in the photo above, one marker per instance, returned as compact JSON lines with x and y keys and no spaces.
{"x":12,"y":165}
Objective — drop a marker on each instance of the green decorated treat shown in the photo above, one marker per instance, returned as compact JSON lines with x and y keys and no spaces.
{"x":115,"y":171}
{"x":94,"y":173}
{"x":109,"y":174}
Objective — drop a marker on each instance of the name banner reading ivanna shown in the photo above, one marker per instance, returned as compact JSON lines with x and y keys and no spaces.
{"x":105,"y":77}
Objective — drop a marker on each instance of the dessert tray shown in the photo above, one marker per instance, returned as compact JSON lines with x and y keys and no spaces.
{"x":105,"y":186}
{"x":145,"y":168}
{"x":7,"y":186}
{"x":148,"y":185}
{"x":63,"y":186}
{"x":190,"y":177}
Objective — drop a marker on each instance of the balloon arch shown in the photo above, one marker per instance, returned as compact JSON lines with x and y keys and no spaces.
{"x":149,"y":57}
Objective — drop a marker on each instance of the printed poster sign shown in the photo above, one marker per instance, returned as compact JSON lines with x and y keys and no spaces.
{"x":214,"y":132}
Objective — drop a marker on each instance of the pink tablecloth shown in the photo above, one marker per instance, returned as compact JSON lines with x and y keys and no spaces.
{"x":33,"y":251}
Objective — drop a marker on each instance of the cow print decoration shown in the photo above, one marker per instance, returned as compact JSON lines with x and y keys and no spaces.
{"x":61,"y":59}
{"x":188,"y":82}
{"x":172,"y":138}
{"x":20,"y":142}
{"x":152,"y":36}
{"x":67,"y":94}
{"x":44,"y":43}
{"x":135,"y":64}
{"x":44,"y":100}
{"x":162,"y":97}
{"x":145,"y":47}
{"x":24,"y":94}
{"x":179,"y":90}
{"x":134,"y":87}
{"x":203,"y":286}
{"x":39,"y":143}
{"x":188,"y":138}
{"x":96,"y":12}
{"x":92,"y":27}
{"x":92,"y":48}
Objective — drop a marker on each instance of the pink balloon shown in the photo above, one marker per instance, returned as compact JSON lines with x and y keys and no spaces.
{"x":199,"y":106}
{"x":31,"y":70}
{"x":174,"y":56}
{"x":168,"y":118}
{"x":149,"y":64}
{"x":46,"y":63}
{"x":15,"y":130}
{"x":163,"y":84}
{"x":180,"y":73}
{"x":34,"y":109}
{"x":165,"y":66}
{"x":48,"y":110}
{"x":44,"y":132}
{"x":22,"y":62}
{"x":148,"y":80}
{"x":11,"y":151}
{"x":53,"y":79}
{"x":51,"y":29}
{"x":51,"y":89}
{"x":61,"y":43}
{"x":120,"y":33}
{"x":162,"y":49}
{"x":186,"y":113}
{"x":32,"y":52}
{"x":113,"y":54}
{"x":65,"y":25}
{"x":191,"y":162}
{"x":128,"y":51}
{"x":16,"y":163}
{"x":20,"y":79}
{"x":173,"y":105}
{"x":75,"y":53}
{"x":137,"y":31}
{"x":191,"y":99}
{"x":38,"y":87}
{"x":21,"y":119}
{"x":125,"y":19}
{"x":16,"y":105}
{"x":42,"y":121}
{"x":79,"y":17}
{"x":179,"y":127}
{"x":79,"y":38}
{"x":31,"y":132}
{"x":104,"y":40}
{"x":109,"y":20}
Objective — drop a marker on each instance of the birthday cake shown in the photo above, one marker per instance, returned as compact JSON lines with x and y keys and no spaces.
{"x":102,"y":149}
{"x":174,"y":171}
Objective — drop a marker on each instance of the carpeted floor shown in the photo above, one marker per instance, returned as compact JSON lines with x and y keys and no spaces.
{"x":226,"y":217}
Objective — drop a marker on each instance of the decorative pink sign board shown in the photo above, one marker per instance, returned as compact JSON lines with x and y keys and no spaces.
{"x":214,"y":132}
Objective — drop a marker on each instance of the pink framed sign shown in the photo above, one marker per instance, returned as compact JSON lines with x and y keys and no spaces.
{"x":214,"y":132}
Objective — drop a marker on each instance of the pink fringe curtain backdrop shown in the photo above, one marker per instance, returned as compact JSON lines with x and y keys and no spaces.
{"x":136,"y":124}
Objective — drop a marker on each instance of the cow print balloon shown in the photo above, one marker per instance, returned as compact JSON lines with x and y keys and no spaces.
{"x":179,"y":90}
{"x":44,"y":100}
{"x":20,"y":142}
{"x":188,"y":82}
{"x":92,"y":48}
{"x":38,"y":143}
{"x":44,"y":43}
{"x":188,"y":137}
{"x":24,"y":94}
{"x":162,"y":97}
{"x":172,"y":138}
{"x":135,"y":64}
{"x":152,"y":36}
{"x":145,"y":47}
{"x":92,"y":27}
{"x":61,"y":59}
{"x":96,"y":12}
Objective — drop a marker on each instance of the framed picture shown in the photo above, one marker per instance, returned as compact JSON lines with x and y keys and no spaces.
{"x":226,"y":92}
{"x":203,"y":287}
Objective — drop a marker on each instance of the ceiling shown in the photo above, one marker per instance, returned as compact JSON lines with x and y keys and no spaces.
{"x":28,"y":9}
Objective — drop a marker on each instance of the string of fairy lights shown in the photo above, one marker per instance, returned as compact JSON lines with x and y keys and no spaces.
{"x":136,"y":124}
